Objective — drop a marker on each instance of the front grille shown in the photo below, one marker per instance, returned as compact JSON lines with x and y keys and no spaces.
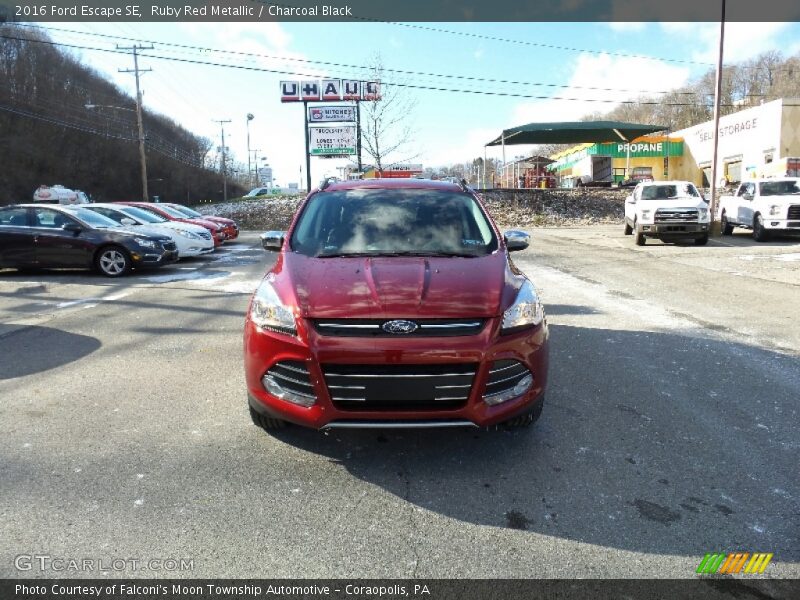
{"x":673,"y":215}
{"x":373,"y":327}
{"x":293,"y":375}
{"x":504,"y":375}
{"x":399,"y":387}
{"x":794,"y":212}
{"x":169,"y":246}
{"x":205,"y":234}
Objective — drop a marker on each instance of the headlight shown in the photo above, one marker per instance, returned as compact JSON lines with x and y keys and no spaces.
{"x":187,"y":234}
{"x":526,"y":311}
{"x":774,"y":209}
{"x":646,"y":215}
{"x":268,"y":312}
{"x":702,"y":214}
{"x":145,"y":243}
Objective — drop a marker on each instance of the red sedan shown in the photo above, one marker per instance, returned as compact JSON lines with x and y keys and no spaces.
{"x":229,"y":226}
{"x":163,"y":210}
{"x":393,"y":303}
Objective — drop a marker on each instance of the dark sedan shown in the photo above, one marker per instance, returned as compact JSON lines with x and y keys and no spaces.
{"x":36,"y":236}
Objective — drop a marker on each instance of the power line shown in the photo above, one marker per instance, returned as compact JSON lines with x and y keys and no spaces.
{"x":397,"y":84}
{"x":204,"y":49}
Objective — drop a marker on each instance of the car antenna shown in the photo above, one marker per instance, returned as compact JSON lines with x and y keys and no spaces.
{"x":325,"y":183}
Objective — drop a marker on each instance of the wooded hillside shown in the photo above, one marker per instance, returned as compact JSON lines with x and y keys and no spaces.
{"x":48,"y":136}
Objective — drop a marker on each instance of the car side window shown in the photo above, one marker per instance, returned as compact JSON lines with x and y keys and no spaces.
{"x":14,"y":217}
{"x":111,"y":214}
{"x":51,"y":219}
{"x":637,"y":193}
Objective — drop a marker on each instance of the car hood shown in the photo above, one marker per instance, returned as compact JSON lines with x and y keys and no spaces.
{"x":394,"y":287}
{"x":781,"y":199}
{"x":214,"y":219}
{"x":182,"y":225}
{"x":202,"y":222}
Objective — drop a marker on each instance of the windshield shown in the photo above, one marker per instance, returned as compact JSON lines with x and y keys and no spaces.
{"x":779,"y":188}
{"x":377,"y":222}
{"x":172,"y":212}
{"x":142,"y":215}
{"x":91,"y":218}
{"x":664,"y":192}
{"x":185,"y":210}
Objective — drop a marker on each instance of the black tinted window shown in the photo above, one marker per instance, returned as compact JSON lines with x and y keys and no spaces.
{"x":14,"y":217}
{"x":404,"y":221}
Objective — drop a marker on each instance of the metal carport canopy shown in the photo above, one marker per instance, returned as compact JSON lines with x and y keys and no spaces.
{"x":574,"y":132}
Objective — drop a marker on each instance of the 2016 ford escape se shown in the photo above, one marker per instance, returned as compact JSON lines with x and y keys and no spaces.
{"x":393,"y":303}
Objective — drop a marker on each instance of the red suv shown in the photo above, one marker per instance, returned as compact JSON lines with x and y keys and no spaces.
{"x":162,"y":210}
{"x":393,"y":303}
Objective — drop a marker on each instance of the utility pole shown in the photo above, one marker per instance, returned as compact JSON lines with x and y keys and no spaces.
{"x":136,"y":70}
{"x":712,"y":206}
{"x":224,"y":163}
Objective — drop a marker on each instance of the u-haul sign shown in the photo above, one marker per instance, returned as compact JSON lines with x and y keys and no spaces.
{"x":330,"y":90}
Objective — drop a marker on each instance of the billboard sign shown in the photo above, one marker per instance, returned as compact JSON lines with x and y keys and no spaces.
{"x":336,"y":141}
{"x":328,"y":114}
{"x":330,"y":90}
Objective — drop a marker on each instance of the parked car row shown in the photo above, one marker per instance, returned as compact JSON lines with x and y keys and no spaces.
{"x":112,"y":238}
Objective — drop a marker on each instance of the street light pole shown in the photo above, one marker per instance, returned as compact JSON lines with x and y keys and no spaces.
{"x":715,"y":225}
{"x":224,"y":162}
{"x":250,"y":117}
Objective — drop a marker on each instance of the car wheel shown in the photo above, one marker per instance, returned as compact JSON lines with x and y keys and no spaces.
{"x":701,"y":241}
{"x":526,"y":420}
{"x":628,"y":228}
{"x":640,"y":241}
{"x":266,"y":423}
{"x":760,"y":234}
{"x":113,"y":261}
{"x":727,"y":228}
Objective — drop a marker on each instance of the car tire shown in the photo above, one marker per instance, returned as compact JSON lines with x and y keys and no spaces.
{"x":726,"y":227}
{"x":266,"y":423}
{"x":760,"y":234}
{"x":113,"y":261}
{"x":527,"y":419}
{"x":628,"y":228}
{"x":640,"y":241}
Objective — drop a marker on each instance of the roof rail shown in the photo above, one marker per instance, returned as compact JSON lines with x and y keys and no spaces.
{"x":326,"y":183}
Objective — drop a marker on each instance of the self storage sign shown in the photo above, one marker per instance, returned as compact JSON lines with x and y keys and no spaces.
{"x":327,"y":114}
{"x":329,"y":141}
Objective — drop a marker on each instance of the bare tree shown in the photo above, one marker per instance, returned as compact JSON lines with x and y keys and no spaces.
{"x":386,"y":130}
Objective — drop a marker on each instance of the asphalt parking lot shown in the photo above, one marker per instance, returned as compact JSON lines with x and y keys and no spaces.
{"x":670,"y":429}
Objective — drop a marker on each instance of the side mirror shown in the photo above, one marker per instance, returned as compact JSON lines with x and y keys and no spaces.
{"x":127,"y":221}
{"x":517,"y":240}
{"x":747,"y":196}
{"x":273,"y":240}
{"x":72,"y":228}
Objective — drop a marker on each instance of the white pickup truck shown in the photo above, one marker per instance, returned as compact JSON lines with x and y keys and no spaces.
{"x":667,"y":210}
{"x":763,"y":205}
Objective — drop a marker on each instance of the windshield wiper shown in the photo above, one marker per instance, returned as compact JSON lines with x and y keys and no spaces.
{"x":390,"y":254}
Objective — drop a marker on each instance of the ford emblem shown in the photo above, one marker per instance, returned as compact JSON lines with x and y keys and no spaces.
{"x":399,"y":326}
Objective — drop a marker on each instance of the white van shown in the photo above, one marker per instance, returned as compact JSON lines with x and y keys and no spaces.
{"x":58,"y":194}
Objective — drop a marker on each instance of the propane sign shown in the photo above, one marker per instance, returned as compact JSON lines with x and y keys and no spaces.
{"x":332,"y":141}
{"x":327,"y":114}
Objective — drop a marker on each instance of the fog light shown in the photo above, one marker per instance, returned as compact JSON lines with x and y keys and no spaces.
{"x":523,"y":385}
{"x":774,"y":223}
{"x":276,"y":389}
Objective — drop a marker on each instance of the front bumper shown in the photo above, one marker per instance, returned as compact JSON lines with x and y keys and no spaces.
{"x":770,"y":223}
{"x":154,"y":259}
{"x":673,"y":229}
{"x":263,"y":349}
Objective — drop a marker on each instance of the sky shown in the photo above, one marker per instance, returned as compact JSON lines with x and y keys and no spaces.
{"x":548,"y":61}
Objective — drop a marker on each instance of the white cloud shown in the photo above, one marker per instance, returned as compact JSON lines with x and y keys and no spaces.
{"x":742,"y":40}
{"x":634,"y":75}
